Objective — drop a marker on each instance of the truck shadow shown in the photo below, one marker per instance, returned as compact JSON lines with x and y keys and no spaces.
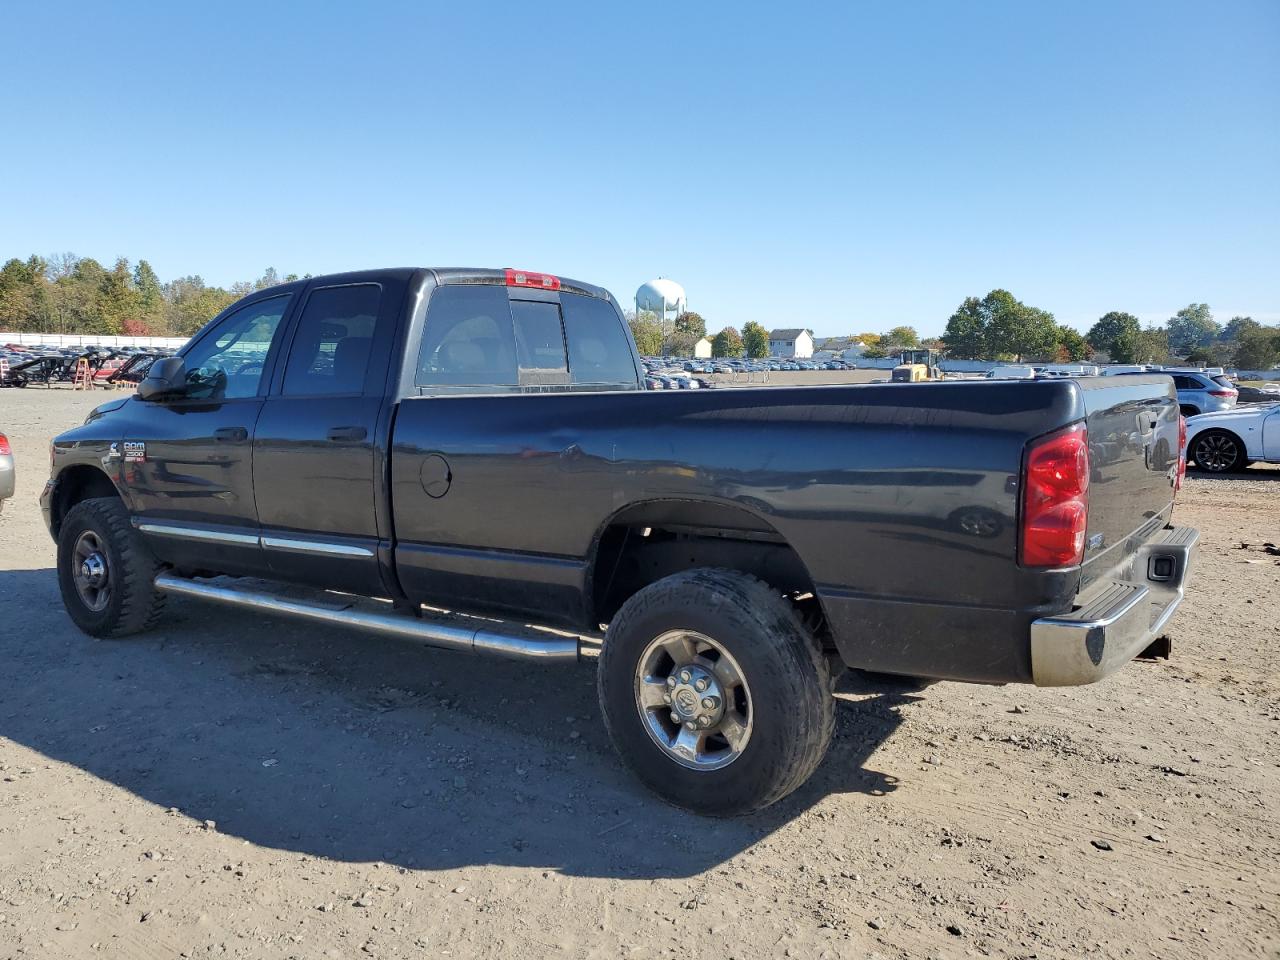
{"x":336,"y":745}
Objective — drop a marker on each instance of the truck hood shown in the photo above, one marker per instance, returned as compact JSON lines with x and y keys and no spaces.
{"x":104,"y":408}
{"x":1248,"y":412}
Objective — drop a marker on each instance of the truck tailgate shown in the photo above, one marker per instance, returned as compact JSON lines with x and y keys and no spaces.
{"x":1133,"y":452}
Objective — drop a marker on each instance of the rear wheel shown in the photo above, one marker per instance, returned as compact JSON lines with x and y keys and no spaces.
{"x":105,"y":571}
{"x":1217,"y":451}
{"x":714,"y":693}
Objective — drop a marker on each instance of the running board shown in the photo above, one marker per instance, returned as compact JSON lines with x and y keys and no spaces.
{"x":446,"y":631}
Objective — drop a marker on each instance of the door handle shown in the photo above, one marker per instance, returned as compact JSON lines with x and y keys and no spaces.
{"x":231,"y":433}
{"x":347,"y":433}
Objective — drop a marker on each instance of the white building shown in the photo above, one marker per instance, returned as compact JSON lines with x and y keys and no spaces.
{"x":791,"y":343}
{"x":702,"y":349}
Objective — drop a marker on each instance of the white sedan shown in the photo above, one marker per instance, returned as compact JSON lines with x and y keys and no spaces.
{"x":1233,"y":439}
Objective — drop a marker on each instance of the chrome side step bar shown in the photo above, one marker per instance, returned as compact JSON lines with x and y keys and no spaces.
{"x":445,"y":631}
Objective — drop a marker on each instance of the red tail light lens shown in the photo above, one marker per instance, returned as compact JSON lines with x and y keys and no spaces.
{"x":1055,"y":499}
{"x":1224,"y":393}
{"x":541,"y":281}
{"x":1182,"y":453}
{"x":5,"y":450}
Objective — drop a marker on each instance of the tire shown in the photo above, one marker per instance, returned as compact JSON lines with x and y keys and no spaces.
{"x":126,"y":601}
{"x":784,"y":698}
{"x":1218,"y":451}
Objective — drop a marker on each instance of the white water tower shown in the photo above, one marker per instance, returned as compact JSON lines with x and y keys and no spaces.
{"x":662,"y":297}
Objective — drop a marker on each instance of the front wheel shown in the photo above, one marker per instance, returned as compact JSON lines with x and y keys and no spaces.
{"x":105,"y":571}
{"x":713,"y":692}
{"x":1217,"y":451}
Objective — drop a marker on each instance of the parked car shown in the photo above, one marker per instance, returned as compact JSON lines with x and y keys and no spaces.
{"x":479,"y":441}
{"x":1245,"y":395}
{"x":1012,"y":371}
{"x":1233,"y":439}
{"x":8,"y":472}
{"x":1201,"y":393}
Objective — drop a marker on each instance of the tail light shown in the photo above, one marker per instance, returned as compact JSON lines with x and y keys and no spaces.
{"x":1224,"y":393}
{"x":541,"y":281}
{"x":5,"y":449}
{"x":1055,"y":499}
{"x":1182,"y":453}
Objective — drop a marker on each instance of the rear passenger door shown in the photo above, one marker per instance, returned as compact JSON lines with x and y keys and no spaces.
{"x":315,"y":452}
{"x":481,"y":513}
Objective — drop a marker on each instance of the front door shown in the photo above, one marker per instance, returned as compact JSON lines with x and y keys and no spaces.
{"x":187,"y":461}
{"x":315,"y":467}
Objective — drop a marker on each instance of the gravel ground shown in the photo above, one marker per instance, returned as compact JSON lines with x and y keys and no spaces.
{"x":232,"y":786}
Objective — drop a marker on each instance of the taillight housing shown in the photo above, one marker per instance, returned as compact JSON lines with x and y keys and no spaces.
{"x":1055,"y":499}
{"x":1182,"y":453}
{"x":5,"y":449}
{"x":1224,"y":393}
{"x":540,"y":281}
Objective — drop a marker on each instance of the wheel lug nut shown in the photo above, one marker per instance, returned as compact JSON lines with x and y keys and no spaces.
{"x":684,"y":676}
{"x":675,"y":718}
{"x":689,"y":725}
{"x":704,"y":721}
{"x":671,"y":681}
{"x":701,"y":684}
{"x":709,"y":703}
{"x":666,"y":697}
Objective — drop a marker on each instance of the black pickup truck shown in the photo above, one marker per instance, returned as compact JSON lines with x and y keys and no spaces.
{"x":467,"y":458}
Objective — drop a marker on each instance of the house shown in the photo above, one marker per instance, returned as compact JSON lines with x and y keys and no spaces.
{"x":702,"y":349}
{"x":791,"y":343}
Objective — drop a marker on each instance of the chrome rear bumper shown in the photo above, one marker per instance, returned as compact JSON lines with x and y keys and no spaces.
{"x":1114,"y":619}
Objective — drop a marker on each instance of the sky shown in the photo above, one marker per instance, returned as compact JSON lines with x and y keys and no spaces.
{"x":847,"y":167}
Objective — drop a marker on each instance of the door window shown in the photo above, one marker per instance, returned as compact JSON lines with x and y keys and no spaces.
{"x":228,"y":363}
{"x":469,"y":340}
{"x":330,"y":352}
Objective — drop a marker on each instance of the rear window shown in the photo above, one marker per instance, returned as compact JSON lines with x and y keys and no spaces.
{"x":469,"y":339}
{"x":539,"y":343}
{"x":1223,"y":382}
{"x":330,"y":352}
{"x":599,"y":352}
{"x":478,"y":339}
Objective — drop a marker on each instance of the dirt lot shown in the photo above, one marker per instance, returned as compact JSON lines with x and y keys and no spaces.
{"x":231,"y":786}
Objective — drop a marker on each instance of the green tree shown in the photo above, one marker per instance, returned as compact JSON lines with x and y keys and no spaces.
{"x":901,"y":337}
{"x":1237,"y":327}
{"x":647,"y":333}
{"x":1071,"y":345}
{"x":755,"y":339}
{"x":691,"y":325}
{"x":118,"y":299}
{"x":1258,"y":349}
{"x":1192,"y":326}
{"x":727,"y":343}
{"x":1116,"y":334}
{"x":965,"y":335}
{"x":999,"y":325}
{"x":1202,"y":355}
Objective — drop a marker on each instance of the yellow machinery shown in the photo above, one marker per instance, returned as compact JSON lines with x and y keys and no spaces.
{"x":916,"y":366}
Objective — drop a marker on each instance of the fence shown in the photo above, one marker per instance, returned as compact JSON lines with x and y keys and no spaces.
{"x":88,"y":339}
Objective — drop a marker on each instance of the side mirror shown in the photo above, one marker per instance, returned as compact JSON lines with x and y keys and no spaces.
{"x":167,"y":377}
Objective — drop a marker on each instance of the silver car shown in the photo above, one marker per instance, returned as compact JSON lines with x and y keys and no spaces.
{"x":6,"y":470}
{"x":1201,"y":393}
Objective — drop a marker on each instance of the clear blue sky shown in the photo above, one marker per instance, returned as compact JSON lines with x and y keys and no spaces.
{"x":846,"y":167}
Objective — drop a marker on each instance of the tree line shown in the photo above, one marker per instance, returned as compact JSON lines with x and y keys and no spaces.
{"x":70,"y":294}
{"x":1001,"y":327}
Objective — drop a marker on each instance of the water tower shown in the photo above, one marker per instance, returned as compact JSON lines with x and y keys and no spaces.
{"x":661,"y":297}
